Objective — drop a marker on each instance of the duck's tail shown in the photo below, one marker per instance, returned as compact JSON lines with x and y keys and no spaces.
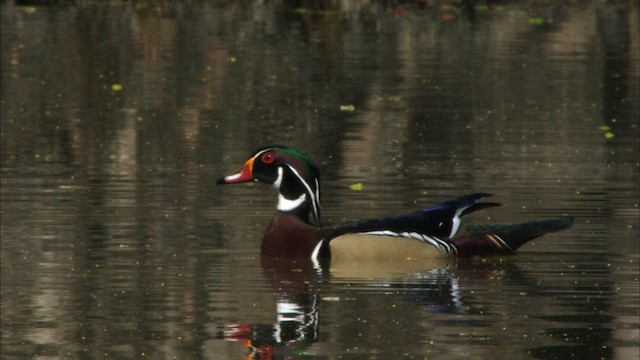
{"x":505,"y":239}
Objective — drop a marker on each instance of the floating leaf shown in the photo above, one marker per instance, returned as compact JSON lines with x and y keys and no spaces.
{"x":536,"y":21}
{"x":608,"y":135}
{"x":356,"y":187}
{"x":116,"y":87}
{"x":604,"y":128}
{"x":347,"y":108}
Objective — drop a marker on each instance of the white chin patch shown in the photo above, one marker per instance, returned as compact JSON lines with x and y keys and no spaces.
{"x":285,"y":204}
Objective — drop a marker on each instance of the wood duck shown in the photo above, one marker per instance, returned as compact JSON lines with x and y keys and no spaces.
{"x":295,"y":230}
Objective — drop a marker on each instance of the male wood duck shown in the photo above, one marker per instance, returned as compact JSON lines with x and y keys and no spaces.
{"x":295,"y":230}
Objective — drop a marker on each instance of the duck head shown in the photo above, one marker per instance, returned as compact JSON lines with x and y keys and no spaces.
{"x":294,"y":175}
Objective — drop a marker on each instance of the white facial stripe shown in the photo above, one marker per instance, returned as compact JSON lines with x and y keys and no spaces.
{"x":276,"y":184}
{"x":258,"y":153}
{"x":314,"y":202}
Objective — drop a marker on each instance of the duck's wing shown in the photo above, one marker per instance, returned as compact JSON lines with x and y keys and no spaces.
{"x":441,"y":221}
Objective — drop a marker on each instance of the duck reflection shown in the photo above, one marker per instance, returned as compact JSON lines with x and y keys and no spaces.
{"x":295,"y":285}
{"x":301,"y":288}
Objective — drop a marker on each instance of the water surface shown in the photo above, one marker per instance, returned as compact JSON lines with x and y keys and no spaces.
{"x":118,"y":118}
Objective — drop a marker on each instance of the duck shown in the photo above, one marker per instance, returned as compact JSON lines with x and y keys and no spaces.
{"x":296,"y":231}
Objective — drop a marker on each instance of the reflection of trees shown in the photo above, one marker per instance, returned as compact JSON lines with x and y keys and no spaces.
{"x":248,"y":73}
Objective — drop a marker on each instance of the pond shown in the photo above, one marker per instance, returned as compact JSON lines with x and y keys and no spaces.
{"x":119,"y":117}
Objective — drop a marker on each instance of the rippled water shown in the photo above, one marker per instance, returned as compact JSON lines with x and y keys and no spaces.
{"x":118,"y":118}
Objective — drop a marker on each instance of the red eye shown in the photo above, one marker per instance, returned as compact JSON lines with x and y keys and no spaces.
{"x":268,"y":158}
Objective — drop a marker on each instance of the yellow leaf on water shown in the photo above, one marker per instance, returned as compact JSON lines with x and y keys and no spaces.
{"x":536,"y":21}
{"x":116,"y":87}
{"x":356,"y":187}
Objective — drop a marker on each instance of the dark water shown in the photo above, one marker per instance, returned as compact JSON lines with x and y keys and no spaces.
{"x":118,"y":117}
